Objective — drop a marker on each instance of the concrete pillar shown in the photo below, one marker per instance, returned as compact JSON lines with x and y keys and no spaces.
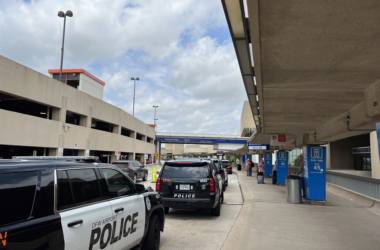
{"x":82,"y":152}
{"x":83,"y":121}
{"x":375,"y":164}
{"x":53,"y":151}
{"x":116,"y":129}
{"x":113,"y":158}
{"x":131,"y":156}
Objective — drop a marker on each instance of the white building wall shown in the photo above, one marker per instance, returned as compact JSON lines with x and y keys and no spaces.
{"x":90,"y":86}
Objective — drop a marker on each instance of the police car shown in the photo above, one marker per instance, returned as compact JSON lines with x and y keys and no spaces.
{"x":71,"y":205}
{"x":191,"y":184}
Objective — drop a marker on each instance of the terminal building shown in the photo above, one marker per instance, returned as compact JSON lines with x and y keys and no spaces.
{"x":41,"y":116}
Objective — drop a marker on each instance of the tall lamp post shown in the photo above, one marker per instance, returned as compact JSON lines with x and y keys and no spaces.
{"x":134,"y":92}
{"x":68,"y":13}
{"x":155,"y":107}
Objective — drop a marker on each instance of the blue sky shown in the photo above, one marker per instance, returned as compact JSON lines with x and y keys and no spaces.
{"x":181,"y":51}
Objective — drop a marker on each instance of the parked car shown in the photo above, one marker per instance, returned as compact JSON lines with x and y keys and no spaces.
{"x":191,"y":184}
{"x":227,"y":165}
{"x":218,"y":164}
{"x":71,"y":205}
{"x":134,"y":169}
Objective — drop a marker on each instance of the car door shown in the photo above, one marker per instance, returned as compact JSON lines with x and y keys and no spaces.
{"x":86,"y":216}
{"x":128,"y":207}
{"x":140,"y":170}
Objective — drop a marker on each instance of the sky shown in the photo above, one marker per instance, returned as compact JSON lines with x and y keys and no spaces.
{"x":181,"y":50}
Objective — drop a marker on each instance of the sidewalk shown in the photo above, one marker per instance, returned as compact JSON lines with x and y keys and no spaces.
{"x":267,"y":221}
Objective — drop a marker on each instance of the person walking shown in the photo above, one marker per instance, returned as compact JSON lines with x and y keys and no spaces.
{"x":274,"y":174}
{"x":238,"y":164}
{"x":260,"y":173}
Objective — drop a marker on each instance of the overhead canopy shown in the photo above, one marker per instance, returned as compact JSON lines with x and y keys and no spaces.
{"x":315,"y":66}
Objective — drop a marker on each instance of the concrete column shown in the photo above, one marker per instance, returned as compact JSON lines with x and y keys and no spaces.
{"x":114,"y":158}
{"x":131,"y":156}
{"x":53,"y":151}
{"x":375,"y":164}
{"x":116,"y":129}
{"x":82,"y":152}
{"x":83,"y":121}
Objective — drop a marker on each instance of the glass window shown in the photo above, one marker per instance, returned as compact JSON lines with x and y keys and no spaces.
{"x":121,"y":165}
{"x":17,"y":192}
{"x":185,"y":172}
{"x":118,"y":184}
{"x":65,"y":196}
{"x":84,"y":185}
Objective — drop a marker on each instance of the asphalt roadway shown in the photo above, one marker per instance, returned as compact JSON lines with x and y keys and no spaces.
{"x":264,"y":220}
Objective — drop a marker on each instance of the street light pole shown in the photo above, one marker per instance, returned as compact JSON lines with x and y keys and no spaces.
{"x":134,"y":92}
{"x":155,"y":107}
{"x":68,"y":13}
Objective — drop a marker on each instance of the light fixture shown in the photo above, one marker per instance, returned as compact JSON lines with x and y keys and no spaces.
{"x":43,"y":113}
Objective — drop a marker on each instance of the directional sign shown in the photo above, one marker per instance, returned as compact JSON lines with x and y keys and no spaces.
{"x":258,"y":147}
{"x":157,"y":155}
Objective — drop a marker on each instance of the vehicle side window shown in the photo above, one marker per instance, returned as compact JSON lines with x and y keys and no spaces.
{"x":17,"y":192}
{"x":118,"y":184}
{"x":65,"y":196}
{"x":84,"y":187}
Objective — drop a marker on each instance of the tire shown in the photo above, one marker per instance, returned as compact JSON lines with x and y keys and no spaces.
{"x":224,"y":187}
{"x":166,"y":210}
{"x":216,"y":211}
{"x":152,"y":239}
{"x":222,"y":198}
{"x":227,"y":182}
{"x":135,"y":178}
{"x":145,"y":177}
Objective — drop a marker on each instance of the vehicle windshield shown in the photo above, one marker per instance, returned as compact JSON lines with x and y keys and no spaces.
{"x":121,"y":164}
{"x":185,"y":172}
{"x":217,"y":165}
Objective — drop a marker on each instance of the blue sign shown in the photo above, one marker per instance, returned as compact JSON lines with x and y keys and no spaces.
{"x":361,"y":150}
{"x":258,"y":146}
{"x":314,"y":158}
{"x":198,"y":141}
{"x":282,"y":165}
{"x":268,"y":164}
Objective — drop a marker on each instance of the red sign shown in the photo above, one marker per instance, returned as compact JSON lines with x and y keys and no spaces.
{"x":281,"y":138}
{"x":278,"y":140}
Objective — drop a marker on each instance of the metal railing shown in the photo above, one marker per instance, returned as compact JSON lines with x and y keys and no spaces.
{"x":363,"y":185}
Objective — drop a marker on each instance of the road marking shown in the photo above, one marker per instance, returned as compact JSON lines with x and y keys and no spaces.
{"x":180,"y":233}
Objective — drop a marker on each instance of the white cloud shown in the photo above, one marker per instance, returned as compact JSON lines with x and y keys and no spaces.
{"x":192,"y":75}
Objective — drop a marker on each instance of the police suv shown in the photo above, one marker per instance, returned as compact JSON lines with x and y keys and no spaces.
{"x":71,"y":205}
{"x":191,"y":184}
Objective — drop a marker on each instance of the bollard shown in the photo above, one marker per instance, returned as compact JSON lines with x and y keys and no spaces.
{"x":154,"y":175}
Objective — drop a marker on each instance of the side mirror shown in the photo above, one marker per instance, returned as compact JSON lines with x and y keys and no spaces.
{"x":140,"y":188}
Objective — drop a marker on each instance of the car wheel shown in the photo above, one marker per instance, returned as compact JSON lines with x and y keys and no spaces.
{"x":152,"y":239}
{"x":145,"y":177}
{"x":135,"y":178}
{"x":224,"y":187}
{"x":166,"y":210}
{"x":226,"y":182}
{"x":222,"y":197}
{"x":216,"y":211}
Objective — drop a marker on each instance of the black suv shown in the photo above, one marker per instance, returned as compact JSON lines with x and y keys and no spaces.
{"x":190,"y":184}
{"x":70,"y":205}
{"x":227,"y":165}
{"x":133,"y":169}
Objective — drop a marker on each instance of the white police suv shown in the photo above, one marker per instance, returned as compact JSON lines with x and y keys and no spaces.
{"x":71,"y":205}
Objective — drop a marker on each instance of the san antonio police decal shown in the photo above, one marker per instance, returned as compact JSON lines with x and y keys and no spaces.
{"x":148,"y":205}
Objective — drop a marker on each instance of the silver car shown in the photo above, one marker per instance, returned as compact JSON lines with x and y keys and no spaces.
{"x":134,"y":169}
